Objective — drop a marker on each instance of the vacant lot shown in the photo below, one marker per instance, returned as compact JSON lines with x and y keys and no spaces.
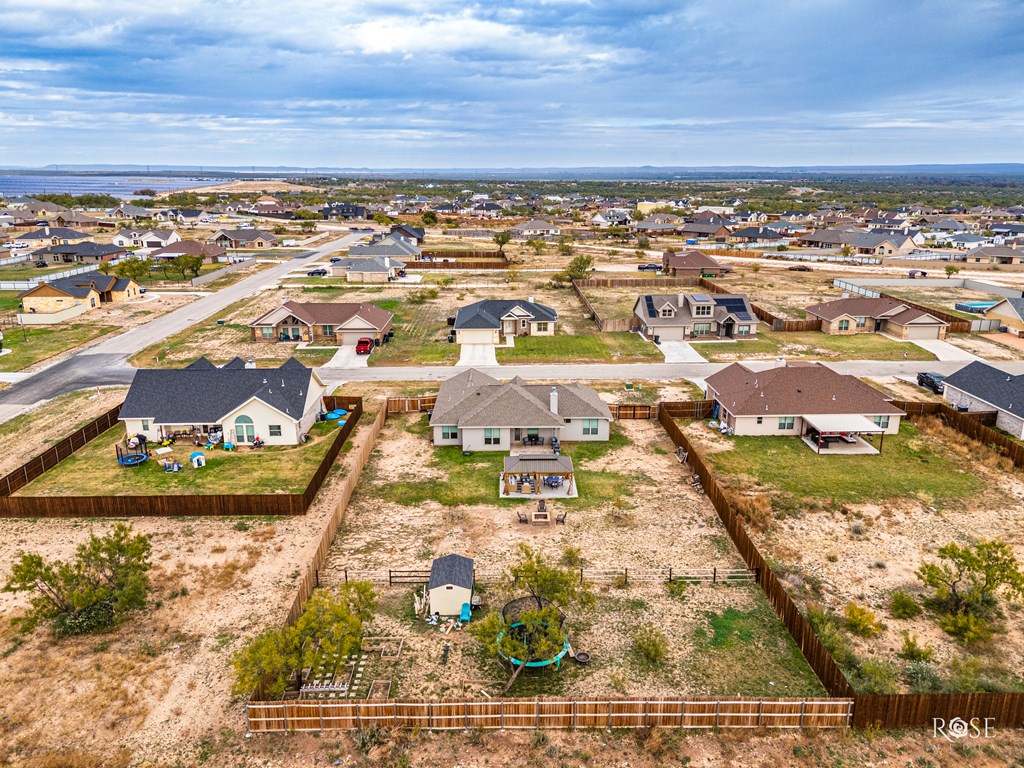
{"x":854,"y":529}
{"x":780,"y":291}
{"x":32,"y":344}
{"x":94,"y":471}
{"x":940,"y":297}
{"x":635,"y":510}
{"x":812,"y":344}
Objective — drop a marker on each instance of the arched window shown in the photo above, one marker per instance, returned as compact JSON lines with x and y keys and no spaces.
{"x":245,"y":432}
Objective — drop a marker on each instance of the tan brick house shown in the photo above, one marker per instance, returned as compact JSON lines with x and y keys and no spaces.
{"x":882,"y":315}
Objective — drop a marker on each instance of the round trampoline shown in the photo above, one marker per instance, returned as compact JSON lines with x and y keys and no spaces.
{"x":131,"y":459}
{"x":511,"y":613}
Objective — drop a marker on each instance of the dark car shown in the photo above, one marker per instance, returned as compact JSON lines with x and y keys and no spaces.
{"x":799,"y":268}
{"x":364,"y":346}
{"x":39,"y":264}
{"x":933,"y":381}
{"x":335,"y":259}
{"x":317,"y":273}
{"x":649,"y":267}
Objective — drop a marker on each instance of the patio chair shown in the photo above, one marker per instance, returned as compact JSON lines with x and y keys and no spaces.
{"x":523,"y":518}
{"x":561,"y":518}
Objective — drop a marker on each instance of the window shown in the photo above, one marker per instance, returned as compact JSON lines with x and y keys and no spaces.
{"x":882,"y":421}
{"x":861,"y":322}
{"x":524,"y":323}
{"x":145,"y":425}
{"x":590,"y":426}
{"x":267,"y":333}
{"x":702,"y":310}
{"x":699,"y":328}
{"x":450,"y":433}
{"x":787,"y":422}
{"x":760,"y":419}
{"x":533,"y":432}
{"x":844,"y":325}
{"x":667,"y":312}
{"x":492,"y":436}
{"x":328,"y":330}
{"x":541,"y":327}
{"x":743,"y":330}
{"x":275,"y":430}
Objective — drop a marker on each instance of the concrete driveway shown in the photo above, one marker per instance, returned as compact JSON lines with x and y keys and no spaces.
{"x":346,"y":357}
{"x":477,"y":355}
{"x":680,"y":352}
{"x":943,"y":350}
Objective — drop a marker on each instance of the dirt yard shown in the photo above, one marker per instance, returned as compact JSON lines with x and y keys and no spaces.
{"x":834,"y":552}
{"x":159,"y":686}
{"x":662,"y":523}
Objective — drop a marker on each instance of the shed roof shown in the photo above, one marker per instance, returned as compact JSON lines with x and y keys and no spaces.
{"x":451,"y":569}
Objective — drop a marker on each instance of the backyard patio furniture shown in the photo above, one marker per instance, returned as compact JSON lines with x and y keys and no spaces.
{"x":466,"y":613}
{"x":523,"y":517}
{"x":561,"y":518}
{"x":553,"y":481}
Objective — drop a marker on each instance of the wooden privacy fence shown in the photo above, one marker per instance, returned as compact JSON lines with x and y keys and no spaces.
{"x":604,"y":325}
{"x":398,"y":576}
{"x":632,"y":411}
{"x":635,"y":282}
{"x":685,"y":409}
{"x":166,"y":505}
{"x":461,"y":255}
{"x":510,"y":714}
{"x":920,"y":710}
{"x":462,"y":264}
{"x":976,"y":425}
{"x":411,"y":404}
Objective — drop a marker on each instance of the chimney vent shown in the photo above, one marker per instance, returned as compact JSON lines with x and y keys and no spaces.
{"x":553,"y":401}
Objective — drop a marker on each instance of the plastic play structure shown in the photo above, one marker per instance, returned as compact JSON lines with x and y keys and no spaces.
{"x":132,"y":457}
{"x":198,"y":459}
{"x":336,"y":415}
{"x":511,"y":612}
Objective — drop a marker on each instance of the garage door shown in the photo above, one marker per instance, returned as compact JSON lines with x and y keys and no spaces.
{"x":922,"y":332}
{"x":351,"y":337}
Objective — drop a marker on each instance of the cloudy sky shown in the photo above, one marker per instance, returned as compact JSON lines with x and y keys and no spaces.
{"x":403,"y":83}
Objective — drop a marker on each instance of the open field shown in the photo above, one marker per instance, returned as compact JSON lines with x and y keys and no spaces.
{"x":780,"y":291}
{"x":635,"y":510}
{"x":940,"y":297}
{"x":854,"y":529}
{"x":93,"y":470}
{"x":32,"y":344}
{"x":813,"y":344}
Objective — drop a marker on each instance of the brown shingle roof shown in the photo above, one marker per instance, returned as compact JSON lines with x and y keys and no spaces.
{"x":795,"y":390}
{"x":328,"y":313}
{"x":192,"y":248}
{"x":861,"y":307}
{"x":693,"y":260}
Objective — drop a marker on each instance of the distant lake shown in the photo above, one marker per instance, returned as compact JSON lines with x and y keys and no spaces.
{"x":13,"y":185}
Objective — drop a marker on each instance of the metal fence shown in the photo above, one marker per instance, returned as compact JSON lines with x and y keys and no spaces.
{"x":49,"y":277}
{"x":624,"y":575}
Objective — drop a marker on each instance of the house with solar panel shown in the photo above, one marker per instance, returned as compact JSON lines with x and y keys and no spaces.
{"x":688,"y":316}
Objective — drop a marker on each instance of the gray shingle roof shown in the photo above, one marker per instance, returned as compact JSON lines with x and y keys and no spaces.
{"x":1002,"y":390}
{"x":204,"y":394}
{"x":451,"y":569}
{"x":487,"y":314}
{"x":80,"y":249}
{"x":45,"y":233}
{"x":369,"y":264}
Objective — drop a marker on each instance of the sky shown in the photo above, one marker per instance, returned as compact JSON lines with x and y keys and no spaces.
{"x":528,"y":83}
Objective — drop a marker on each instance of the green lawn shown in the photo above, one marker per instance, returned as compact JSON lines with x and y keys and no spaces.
{"x":24,"y":270}
{"x":420,"y":335}
{"x":911,"y":465}
{"x":811,"y":344}
{"x":591,"y":347}
{"x":34,"y":343}
{"x":467,"y":480}
{"x":9,"y":302}
{"x":93,"y":470}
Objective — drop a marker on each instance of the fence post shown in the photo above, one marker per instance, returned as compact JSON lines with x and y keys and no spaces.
{"x":575,"y":712}
{"x":465,"y":715}
{"x":536,"y":712}
{"x":430,"y":715}
{"x":760,"y":711}
{"x":609,"y":715}
{"x":625,"y":575}
{"x":714,"y":575}
{"x":803,"y":708}
{"x":501,"y":713}
{"x":682,"y":714}
{"x":320,"y":711}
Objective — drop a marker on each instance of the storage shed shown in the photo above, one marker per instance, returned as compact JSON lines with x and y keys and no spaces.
{"x":451,"y":584}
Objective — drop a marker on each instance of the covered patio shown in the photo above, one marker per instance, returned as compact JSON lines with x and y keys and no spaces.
{"x":842,"y":434}
{"x":538,"y":476}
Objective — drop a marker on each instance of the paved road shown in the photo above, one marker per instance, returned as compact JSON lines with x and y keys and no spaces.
{"x":104,"y":363}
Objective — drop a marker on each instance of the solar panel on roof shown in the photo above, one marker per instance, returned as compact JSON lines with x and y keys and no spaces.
{"x":736,"y":307}
{"x":650,"y":307}
{"x":700,"y":297}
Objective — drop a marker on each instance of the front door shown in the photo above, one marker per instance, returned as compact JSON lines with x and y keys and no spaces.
{"x":728,"y":327}
{"x":508,"y":328}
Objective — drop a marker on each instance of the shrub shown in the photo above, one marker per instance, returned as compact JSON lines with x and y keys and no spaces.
{"x":572,"y":557}
{"x":922,"y":677}
{"x":913,"y":651}
{"x":830,"y":633}
{"x":902,"y":605}
{"x":875,"y":677}
{"x":861,"y":621}
{"x":676,"y":588}
{"x":650,"y":644}
{"x":966,"y":627}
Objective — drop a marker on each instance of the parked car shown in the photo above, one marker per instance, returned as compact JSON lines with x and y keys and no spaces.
{"x":933,"y":381}
{"x":143,"y":289}
{"x":317,"y":273}
{"x":649,"y":267}
{"x":335,"y":259}
{"x":799,"y":268}
{"x":39,"y":264}
{"x":364,"y":346}
{"x":8,"y":245}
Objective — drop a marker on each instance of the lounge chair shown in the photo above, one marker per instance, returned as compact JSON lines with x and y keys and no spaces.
{"x":561,"y":518}
{"x":523,"y":517}
{"x":466,"y":614}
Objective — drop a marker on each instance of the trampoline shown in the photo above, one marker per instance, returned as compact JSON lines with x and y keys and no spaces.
{"x":511,"y":612}
{"x":132,"y":457}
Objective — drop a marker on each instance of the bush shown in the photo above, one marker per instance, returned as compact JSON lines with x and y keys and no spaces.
{"x":862,"y":621}
{"x":902,"y":605}
{"x":423,"y":296}
{"x":572,"y":557}
{"x":875,"y":677}
{"x":913,"y":651}
{"x":922,"y":677}
{"x":676,"y":588}
{"x":966,"y":627}
{"x":830,"y":633}
{"x":650,"y":644}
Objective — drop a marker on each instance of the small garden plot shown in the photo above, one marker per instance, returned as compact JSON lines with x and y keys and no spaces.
{"x":94,"y":471}
{"x":849,"y":536}
{"x":812,"y":344}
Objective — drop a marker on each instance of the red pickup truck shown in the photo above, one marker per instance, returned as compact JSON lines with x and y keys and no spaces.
{"x":364,"y":346}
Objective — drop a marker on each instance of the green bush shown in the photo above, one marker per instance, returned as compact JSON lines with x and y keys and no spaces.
{"x":902,"y":605}
{"x":861,"y":621}
{"x":831,"y":634}
{"x":650,"y":644}
{"x":966,"y":627}
{"x":572,"y":557}
{"x":922,"y":677}
{"x":875,"y":677}
{"x":913,"y":651}
{"x":676,"y":588}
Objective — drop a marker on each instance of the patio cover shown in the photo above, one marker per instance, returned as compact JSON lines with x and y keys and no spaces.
{"x":544,"y":464}
{"x":830,"y":423}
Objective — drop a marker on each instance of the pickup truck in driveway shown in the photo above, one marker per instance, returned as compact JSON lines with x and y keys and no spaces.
{"x":932,"y":381}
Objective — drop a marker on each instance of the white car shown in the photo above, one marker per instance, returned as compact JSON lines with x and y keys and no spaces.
{"x":10,"y":245}
{"x":21,"y":245}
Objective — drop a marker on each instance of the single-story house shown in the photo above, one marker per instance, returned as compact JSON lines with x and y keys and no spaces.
{"x":699,"y":229}
{"x":344,"y":211}
{"x":613,"y":217}
{"x":278,"y":405}
{"x":409,"y":233}
{"x":480,"y":413}
{"x":882,"y":315}
{"x":88,"y":288}
{"x":828,"y":410}
{"x":368,"y":269}
{"x":535,"y":228}
{"x":494,"y":321}
{"x":393,"y":246}
{"x":79,"y":253}
{"x":75,"y":220}
{"x":451,"y":585}
{"x":209,"y":251}
{"x":129,"y":211}
{"x":187,"y":216}
{"x":145,"y":238}
{"x":242,"y":238}
{"x":54,"y":236}
{"x":322,"y":321}
{"x":757,"y":235}
{"x":1010,"y":314}
{"x":995,"y":254}
{"x":979,"y":386}
{"x":682,"y":316}
{"x":693,"y":264}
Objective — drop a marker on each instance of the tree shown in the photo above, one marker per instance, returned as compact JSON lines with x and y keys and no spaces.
{"x":279,"y":229}
{"x":512,"y":273}
{"x":308,"y":226}
{"x":545,"y":581}
{"x":106,"y":267}
{"x":186,"y":264}
{"x":429,"y":218}
{"x":304,"y":214}
{"x":106,"y":580}
{"x":580,"y":266}
{"x":502,"y":239}
{"x":536,"y":244}
{"x":380,"y":218}
{"x":952,"y":270}
{"x":133,"y":267}
{"x":969,"y":579}
{"x":565,"y":246}
{"x":846,"y":250}
{"x":332,"y":624}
